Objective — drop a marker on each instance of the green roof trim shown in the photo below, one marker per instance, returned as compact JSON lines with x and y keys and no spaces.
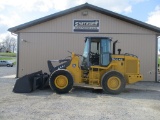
{"x":80,"y":7}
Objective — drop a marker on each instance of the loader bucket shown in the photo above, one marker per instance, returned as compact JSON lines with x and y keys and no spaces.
{"x":31,"y":82}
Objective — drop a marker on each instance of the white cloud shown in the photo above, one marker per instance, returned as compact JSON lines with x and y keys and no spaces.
{"x":4,"y":35}
{"x":119,"y":6}
{"x":46,"y":5}
{"x":138,"y":1}
{"x":154,"y":17}
{"x":18,"y":8}
{"x":113,"y":5}
{"x":10,"y":20}
{"x":24,"y":5}
{"x":1,"y":7}
{"x":128,"y":9}
{"x":35,"y":5}
{"x":14,"y":12}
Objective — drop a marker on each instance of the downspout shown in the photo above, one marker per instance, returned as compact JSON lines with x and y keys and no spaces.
{"x":17,"y":65}
{"x":18,"y":41}
{"x":156,"y":66}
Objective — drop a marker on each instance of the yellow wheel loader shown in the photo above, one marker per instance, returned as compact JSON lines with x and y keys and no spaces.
{"x":97,"y":67}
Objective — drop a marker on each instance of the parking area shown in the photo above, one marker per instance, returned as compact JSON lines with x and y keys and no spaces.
{"x":140,"y":101}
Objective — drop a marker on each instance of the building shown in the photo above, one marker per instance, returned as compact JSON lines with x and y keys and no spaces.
{"x":52,"y":36}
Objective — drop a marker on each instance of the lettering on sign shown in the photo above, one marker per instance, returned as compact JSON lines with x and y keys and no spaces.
{"x":86,"y":26}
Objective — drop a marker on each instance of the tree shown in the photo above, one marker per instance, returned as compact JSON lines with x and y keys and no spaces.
{"x":2,"y":48}
{"x":10,"y":43}
{"x":13,"y":44}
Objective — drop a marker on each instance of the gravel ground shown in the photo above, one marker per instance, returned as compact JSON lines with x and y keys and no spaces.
{"x":140,"y":101}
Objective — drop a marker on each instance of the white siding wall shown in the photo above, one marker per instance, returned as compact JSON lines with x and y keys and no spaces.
{"x":52,"y":40}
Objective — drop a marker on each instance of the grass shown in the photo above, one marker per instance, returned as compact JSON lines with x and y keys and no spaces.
{"x":6,"y":58}
{"x":159,"y":61}
{"x":8,"y":54}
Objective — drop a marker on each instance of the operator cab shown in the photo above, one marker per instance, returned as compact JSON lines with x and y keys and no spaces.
{"x":97,"y":51}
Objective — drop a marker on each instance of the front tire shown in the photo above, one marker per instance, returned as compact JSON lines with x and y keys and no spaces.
{"x":8,"y":65}
{"x":61,"y":81}
{"x":113,"y":82}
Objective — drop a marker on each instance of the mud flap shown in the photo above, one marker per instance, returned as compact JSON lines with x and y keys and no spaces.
{"x":31,"y":82}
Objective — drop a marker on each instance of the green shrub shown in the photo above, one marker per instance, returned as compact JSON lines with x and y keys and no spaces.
{"x":8,"y":54}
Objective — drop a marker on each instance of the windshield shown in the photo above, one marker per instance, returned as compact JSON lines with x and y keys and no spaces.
{"x":86,"y":49}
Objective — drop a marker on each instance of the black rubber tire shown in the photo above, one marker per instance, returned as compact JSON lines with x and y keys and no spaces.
{"x":52,"y":81}
{"x":8,"y":65}
{"x":105,"y":79}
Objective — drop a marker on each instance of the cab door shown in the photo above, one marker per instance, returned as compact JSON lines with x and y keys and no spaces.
{"x":105,"y":55}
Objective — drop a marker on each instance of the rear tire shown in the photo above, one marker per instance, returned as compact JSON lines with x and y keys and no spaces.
{"x":61,"y":81}
{"x":113,"y":82}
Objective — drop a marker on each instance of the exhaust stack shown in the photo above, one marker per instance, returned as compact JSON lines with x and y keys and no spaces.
{"x":114,"y":46}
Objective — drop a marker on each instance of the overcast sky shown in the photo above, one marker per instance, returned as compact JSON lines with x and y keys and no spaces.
{"x":15,"y":12}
